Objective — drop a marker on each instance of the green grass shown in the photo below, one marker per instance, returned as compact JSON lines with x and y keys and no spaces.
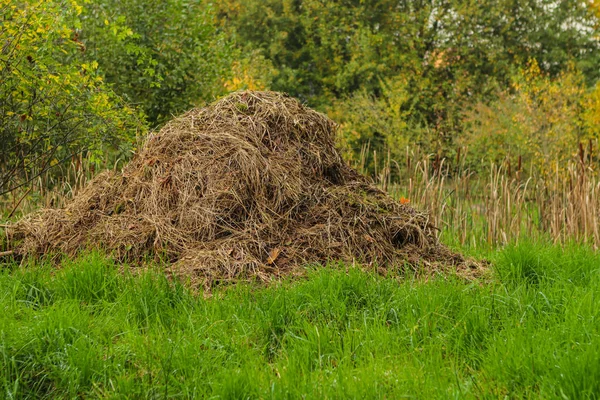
{"x":88,"y":331}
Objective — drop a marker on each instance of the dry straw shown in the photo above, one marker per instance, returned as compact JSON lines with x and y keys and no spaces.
{"x":249,"y":187}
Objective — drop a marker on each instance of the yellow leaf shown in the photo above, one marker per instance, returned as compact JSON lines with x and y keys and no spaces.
{"x":273,"y":255}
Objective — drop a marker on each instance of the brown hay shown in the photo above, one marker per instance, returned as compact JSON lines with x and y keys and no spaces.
{"x":251,"y":186}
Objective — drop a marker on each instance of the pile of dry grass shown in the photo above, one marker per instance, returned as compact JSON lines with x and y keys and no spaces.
{"x":251,"y":186}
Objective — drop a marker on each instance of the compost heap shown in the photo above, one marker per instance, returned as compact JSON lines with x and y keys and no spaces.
{"x":250,"y":186}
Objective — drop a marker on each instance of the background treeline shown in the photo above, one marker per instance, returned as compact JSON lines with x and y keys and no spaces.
{"x":505,"y":78}
{"x":461,"y":79}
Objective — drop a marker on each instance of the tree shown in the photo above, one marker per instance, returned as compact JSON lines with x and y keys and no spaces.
{"x":539,"y":122}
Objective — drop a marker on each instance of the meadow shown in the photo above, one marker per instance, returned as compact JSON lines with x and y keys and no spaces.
{"x":89,"y":330}
{"x":484,"y":115}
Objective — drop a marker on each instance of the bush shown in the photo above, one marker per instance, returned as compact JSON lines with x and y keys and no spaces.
{"x":539,"y":120}
{"x":383,"y":125}
{"x":55,"y":104}
{"x":165,"y":56}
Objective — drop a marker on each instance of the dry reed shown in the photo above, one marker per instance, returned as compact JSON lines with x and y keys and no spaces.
{"x":504,"y":204}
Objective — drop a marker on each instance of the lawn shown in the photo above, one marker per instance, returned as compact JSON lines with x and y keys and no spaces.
{"x":87,"y":330}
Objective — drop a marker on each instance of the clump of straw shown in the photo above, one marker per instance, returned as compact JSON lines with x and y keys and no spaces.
{"x":250,"y":186}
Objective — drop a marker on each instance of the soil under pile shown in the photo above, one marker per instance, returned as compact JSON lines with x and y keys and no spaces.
{"x":251,"y":186}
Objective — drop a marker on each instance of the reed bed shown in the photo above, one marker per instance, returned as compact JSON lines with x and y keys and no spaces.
{"x":504,"y":204}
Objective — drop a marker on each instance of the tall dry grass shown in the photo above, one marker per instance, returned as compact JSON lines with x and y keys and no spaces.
{"x":504,"y":204}
{"x":53,"y":188}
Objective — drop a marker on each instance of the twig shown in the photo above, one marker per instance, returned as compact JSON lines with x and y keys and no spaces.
{"x":19,"y":202}
{"x":6,"y":253}
{"x":46,"y":168}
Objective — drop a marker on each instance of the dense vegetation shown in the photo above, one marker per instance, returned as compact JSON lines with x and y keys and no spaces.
{"x":507,"y":79}
{"x":399,"y":73}
{"x":485,"y":114}
{"x":55,"y":104}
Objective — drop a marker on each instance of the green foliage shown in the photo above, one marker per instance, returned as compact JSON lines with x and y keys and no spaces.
{"x":540,"y":121}
{"x":381,"y":123}
{"x":320,"y":50}
{"x":88,"y":330}
{"x":54,"y":105}
{"x":443,"y":56}
{"x":329,"y":49}
{"x":164,"y":56}
{"x":591,"y":111}
{"x":250,"y":72}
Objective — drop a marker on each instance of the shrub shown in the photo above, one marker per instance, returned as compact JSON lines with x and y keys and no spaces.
{"x":538,"y":120}
{"x":54,"y":103}
{"x":163,"y":56}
